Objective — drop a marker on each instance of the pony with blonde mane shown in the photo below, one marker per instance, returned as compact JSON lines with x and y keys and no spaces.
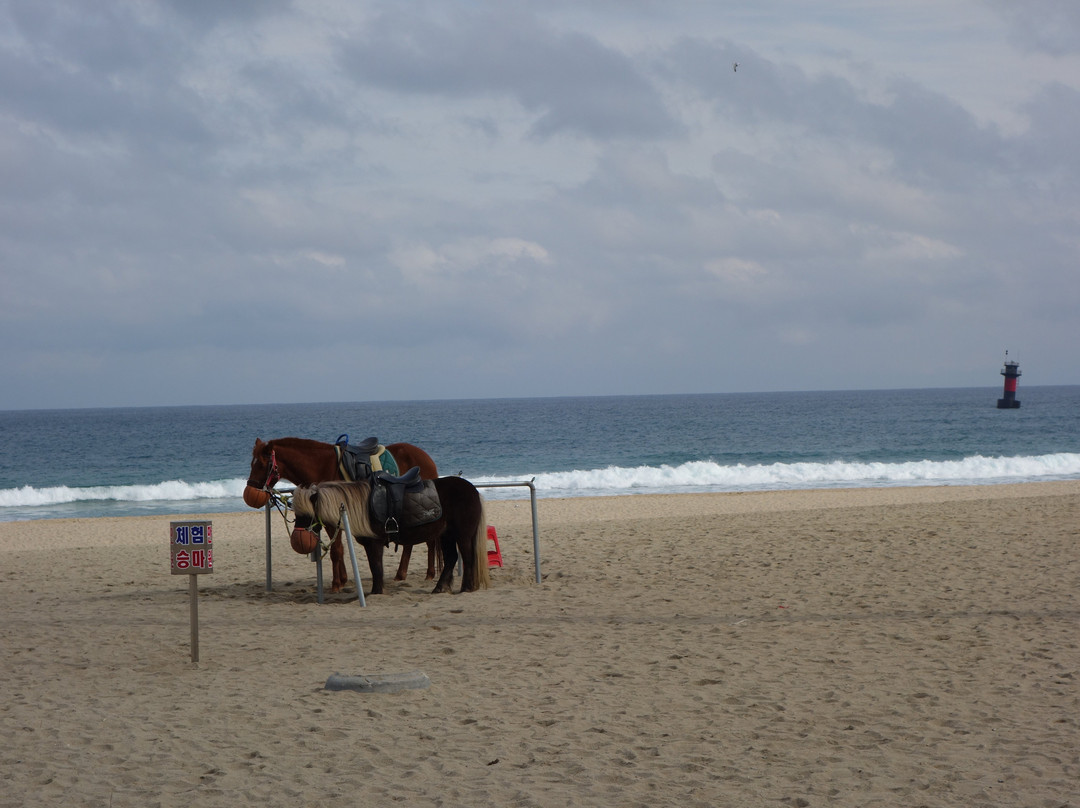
{"x":461,"y":530}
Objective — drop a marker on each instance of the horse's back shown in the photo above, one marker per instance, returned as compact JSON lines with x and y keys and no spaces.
{"x":408,"y":456}
{"x":462,"y":504}
{"x":457,"y":488}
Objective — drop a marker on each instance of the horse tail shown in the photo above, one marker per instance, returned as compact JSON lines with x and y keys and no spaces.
{"x":440,"y":558}
{"x":483,"y":579}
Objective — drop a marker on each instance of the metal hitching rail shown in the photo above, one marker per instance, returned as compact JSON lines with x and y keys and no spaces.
{"x":515,"y":484}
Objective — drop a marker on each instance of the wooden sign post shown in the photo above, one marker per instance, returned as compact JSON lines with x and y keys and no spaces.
{"x":191,"y":547}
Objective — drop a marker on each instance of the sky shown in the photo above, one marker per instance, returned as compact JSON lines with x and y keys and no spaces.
{"x":265,"y":201}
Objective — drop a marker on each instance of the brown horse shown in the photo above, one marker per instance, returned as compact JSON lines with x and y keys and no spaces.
{"x":460,"y":530}
{"x":305,"y":462}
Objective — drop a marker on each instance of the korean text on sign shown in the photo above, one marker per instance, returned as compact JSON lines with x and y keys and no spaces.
{"x":191,"y":547}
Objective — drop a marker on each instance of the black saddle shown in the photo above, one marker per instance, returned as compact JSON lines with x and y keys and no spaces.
{"x":401,"y":502}
{"x":406,"y":479}
{"x":355,"y":459}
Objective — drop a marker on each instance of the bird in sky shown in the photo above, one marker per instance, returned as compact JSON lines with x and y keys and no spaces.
{"x":735,"y":66}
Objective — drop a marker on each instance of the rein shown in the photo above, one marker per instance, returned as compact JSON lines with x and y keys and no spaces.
{"x":282,"y":506}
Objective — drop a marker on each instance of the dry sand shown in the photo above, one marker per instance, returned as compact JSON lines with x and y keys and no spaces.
{"x":890,"y":647}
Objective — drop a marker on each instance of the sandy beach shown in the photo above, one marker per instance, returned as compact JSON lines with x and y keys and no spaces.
{"x":875,"y":647}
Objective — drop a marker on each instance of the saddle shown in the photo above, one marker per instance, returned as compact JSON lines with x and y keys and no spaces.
{"x":402,"y":502}
{"x":395,"y":502}
{"x":357,"y":462}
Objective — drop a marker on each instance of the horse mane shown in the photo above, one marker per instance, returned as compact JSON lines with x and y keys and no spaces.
{"x":324,"y":501}
{"x":295,"y":443}
{"x":298,"y":444}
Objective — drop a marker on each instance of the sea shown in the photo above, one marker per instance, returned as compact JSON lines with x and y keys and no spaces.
{"x":195,"y":459}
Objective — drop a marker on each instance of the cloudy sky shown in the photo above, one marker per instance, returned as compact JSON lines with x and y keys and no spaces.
{"x":331,"y":200}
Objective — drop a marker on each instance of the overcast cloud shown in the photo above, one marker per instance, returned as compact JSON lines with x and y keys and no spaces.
{"x":244,"y":202}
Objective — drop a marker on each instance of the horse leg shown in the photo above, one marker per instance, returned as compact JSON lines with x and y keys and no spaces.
{"x":432,"y":560}
{"x":470,"y":530}
{"x":337,"y":563}
{"x":374,"y":550}
{"x":450,"y":557}
{"x":403,"y":567}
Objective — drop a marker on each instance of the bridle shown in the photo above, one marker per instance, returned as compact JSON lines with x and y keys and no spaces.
{"x":273,"y":477}
{"x":273,"y":474}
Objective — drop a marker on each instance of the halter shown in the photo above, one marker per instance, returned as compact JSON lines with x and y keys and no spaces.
{"x":315,"y":527}
{"x":273,"y":475}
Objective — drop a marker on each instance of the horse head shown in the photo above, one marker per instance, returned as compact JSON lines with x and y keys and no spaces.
{"x":264,"y":474}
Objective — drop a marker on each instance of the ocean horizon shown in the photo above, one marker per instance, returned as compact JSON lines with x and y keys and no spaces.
{"x":128,"y":461}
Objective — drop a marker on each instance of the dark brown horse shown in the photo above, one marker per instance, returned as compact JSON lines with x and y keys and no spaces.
{"x":461,"y":530}
{"x":305,"y":462}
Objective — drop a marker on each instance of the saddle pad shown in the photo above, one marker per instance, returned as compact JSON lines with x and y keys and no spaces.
{"x":387,"y":461}
{"x":421,"y":507}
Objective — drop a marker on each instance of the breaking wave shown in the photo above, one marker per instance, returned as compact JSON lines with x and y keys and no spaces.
{"x":700,"y":476}
{"x":169,"y":491}
{"x":28,"y":502}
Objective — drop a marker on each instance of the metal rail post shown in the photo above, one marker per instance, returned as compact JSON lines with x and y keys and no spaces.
{"x":269,"y":581}
{"x":348,"y":539}
{"x":532,"y":502}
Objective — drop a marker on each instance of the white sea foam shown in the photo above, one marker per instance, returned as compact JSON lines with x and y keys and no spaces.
{"x":168,"y":491}
{"x":708,"y":476}
{"x":694,"y":476}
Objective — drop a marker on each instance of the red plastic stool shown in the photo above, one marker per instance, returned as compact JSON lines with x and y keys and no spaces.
{"x":494,"y":556}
